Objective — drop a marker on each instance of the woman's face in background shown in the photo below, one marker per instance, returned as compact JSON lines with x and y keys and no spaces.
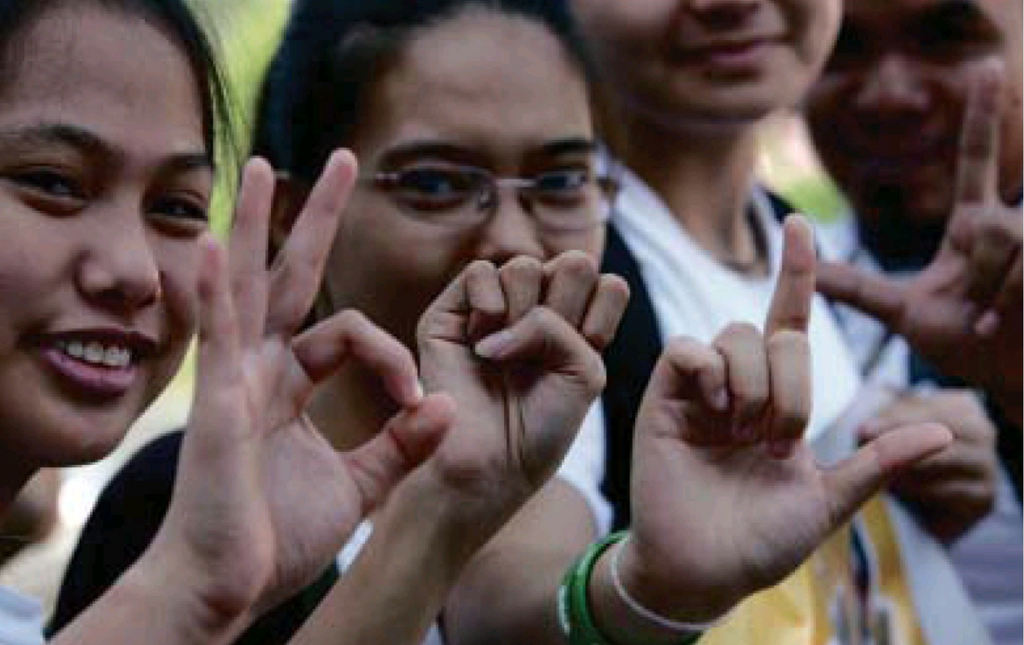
{"x":478,"y":94}
{"x":713,"y":63}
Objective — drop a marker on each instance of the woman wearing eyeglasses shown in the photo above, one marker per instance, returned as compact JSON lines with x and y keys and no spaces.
{"x":472,"y":236}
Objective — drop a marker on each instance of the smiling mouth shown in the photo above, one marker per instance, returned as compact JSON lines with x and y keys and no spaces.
{"x":98,"y":365}
{"x":739,"y":53}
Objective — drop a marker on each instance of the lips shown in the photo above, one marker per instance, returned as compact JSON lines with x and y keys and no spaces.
{"x":100,"y":363}
{"x":727,"y":54}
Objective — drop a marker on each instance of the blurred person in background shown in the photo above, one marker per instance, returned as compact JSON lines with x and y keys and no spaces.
{"x":918,"y":118}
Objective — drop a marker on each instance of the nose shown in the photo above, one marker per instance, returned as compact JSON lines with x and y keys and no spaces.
{"x":510,"y":231}
{"x":892,"y":85}
{"x":118,"y":271}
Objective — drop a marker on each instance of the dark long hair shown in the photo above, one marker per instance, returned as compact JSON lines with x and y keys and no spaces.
{"x":335,"y":50}
{"x":172,"y":17}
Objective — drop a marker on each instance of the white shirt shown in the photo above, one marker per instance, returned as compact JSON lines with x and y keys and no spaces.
{"x":21,"y":619}
{"x":694,"y":295}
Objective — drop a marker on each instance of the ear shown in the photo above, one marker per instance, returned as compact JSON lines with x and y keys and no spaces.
{"x":290,"y":195}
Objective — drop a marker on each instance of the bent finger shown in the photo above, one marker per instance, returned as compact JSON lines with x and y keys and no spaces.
{"x":407,"y":440}
{"x":321,"y":350}
{"x":605,"y":311}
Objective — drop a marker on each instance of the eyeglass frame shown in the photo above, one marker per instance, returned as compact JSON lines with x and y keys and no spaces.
{"x":487,"y":196}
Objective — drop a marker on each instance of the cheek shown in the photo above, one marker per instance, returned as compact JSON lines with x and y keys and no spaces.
{"x":390,"y":269}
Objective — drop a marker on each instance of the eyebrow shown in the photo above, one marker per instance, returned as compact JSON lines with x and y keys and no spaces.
{"x":84,"y":141}
{"x":414,"y":149}
{"x":957,"y":12}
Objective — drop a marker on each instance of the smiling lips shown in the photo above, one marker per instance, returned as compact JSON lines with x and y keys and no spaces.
{"x":733,"y":54}
{"x":102,"y":364}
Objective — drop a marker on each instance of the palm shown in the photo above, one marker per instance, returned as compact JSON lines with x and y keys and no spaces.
{"x":262,"y":502}
{"x":727,"y":499}
{"x":780,"y":508}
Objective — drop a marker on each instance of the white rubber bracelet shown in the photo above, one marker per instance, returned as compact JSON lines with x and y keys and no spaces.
{"x":680,"y":628}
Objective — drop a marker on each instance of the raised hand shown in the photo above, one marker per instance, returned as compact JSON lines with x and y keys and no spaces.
{"x":726,"y":497}
{"x":262,"y":502}
{"x":953,"y":490}
{"x":518,"y":348}
{"x":963,"y":312}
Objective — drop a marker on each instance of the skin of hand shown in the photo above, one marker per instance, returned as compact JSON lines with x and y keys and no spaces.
{"x":262,"y":502}
{"x":962,"y":313}
{"x":518,"y":346}
{"x":953,"y":490}
{"x":727,"y":498}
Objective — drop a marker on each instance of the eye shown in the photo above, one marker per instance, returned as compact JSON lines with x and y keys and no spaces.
{"x":182,"y":213}
{"x":434,"y":188}
{"x":49,"y":183}
{"x":958,"y":31}
{"x":564,"y":186}
{"x":851,"y":49}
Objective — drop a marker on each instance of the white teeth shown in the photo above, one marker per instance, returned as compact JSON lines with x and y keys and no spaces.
{"x":76,"y":349}
{"x":94,"y":352}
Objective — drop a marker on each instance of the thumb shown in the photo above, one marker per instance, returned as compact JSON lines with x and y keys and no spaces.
{"x":406,"y":441}
{"x":855,"y":480}
{"x":871,"y":293}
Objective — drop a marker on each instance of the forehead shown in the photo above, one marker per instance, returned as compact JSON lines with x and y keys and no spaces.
{"x":483,"y":78}
{"x":106,"y":72}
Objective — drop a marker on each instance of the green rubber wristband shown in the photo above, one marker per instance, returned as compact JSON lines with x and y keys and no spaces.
{"x":574,"y":615}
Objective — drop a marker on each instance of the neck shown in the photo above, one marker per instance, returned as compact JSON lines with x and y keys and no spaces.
{"x":704,"y":178}
{"x":351,"y":407}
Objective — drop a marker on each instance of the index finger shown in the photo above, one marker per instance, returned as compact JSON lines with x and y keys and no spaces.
{"x":791,"y":303}
{"x":297,"y":271}
{"x":978,"y":157}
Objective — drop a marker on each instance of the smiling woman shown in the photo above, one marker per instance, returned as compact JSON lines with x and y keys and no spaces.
{"x":107,"y":270}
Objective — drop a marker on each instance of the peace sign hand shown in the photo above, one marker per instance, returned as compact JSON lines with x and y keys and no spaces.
{"x":963,"y":312}
{"x":262,"y":502}
{"x":727,"y":498}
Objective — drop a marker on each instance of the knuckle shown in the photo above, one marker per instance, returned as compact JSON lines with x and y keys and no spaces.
{"x":577,"y":265}
{"x":615,"y":286}
{"x":522,"y":267}
{"x":683,"y":349}
{"x":787,"y":341}
{"x":738,"y":331}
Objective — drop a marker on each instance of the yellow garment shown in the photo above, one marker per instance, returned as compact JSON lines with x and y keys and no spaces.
{"x":819,"y":605}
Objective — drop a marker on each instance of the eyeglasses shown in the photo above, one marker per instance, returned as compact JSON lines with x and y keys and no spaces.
{"x":569,"y":199}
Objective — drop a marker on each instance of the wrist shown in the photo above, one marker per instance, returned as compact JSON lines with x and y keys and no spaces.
{"x":632,"y":606}
{"x":188,"y":607}
{"x":171,"y":582}
{"x":595,"y":609}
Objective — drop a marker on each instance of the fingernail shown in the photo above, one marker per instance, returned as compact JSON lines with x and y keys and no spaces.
{"x":781,"y":448}
{"x":987,"y":324}
{"x":720,"y":400}
{"x":418,"y":392}
{"x":494,"y":346}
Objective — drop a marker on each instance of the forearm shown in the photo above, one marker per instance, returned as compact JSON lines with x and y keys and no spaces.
{"x":508,"y":593}
{"x":397,"y":586}
{"x":147,"y":606}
